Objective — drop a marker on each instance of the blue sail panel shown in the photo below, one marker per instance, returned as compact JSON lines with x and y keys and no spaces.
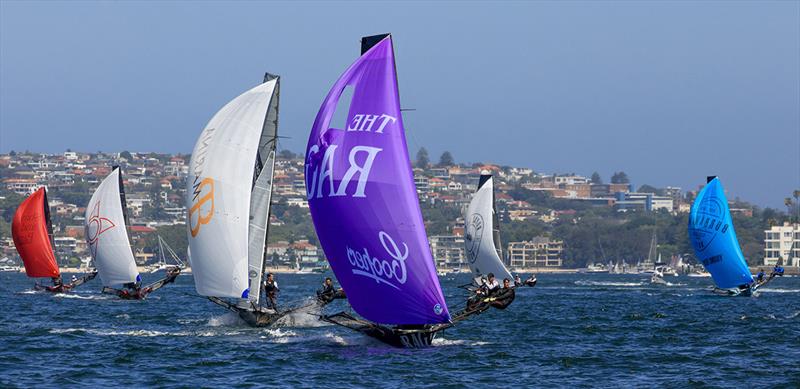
{"x":714,"y":239}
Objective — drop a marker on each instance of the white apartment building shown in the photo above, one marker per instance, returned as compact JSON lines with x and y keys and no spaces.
{"x":782,"y":242}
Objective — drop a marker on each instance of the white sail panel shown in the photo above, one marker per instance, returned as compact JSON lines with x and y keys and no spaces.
{"x":219,"y":191}
{"x":107,"y":236}
{"x":478,"y":234}
{"x":259,"y":215}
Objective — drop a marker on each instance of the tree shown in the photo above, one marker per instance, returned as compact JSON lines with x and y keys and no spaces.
{"x":13,"y":153}
{"x":620,"y":178}
{"x":596,"y":179}
{"x":422,"y":158}
{"x":446,"y":159}
{"x":286,"y":155}
{"x":648,"y":189}
{"x":127,"y":155}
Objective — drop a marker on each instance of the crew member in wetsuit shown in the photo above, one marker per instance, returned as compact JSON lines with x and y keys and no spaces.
{"x":776,"y":271}
{"x":517,"y":281}
{"x":504,"y":296}
{"x":531,"y":281}
{"x":271,"y":290}
{"x":760,"y":276}
{"x":492,"y":285}
{"x":328,"y":293}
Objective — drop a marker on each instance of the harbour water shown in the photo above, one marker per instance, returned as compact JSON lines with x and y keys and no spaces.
{"x":571,"y":330}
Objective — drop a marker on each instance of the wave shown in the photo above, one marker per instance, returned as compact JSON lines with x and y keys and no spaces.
{"x":228,"y":319}
{"x":288,"y":337}
{"x":602,"y":283}
{"x":80,"y":297}
{"x":769,"y":290}
{"x":92,"y":331}
{"x":442,"y":342}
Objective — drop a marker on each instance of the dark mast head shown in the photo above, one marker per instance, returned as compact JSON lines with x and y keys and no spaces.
{"x":709,"y":178}
{"x":368,"y":41}
{"x":269,"y":76}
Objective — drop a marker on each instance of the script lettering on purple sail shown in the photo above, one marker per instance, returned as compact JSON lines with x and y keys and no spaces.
{"x":382,"y":271}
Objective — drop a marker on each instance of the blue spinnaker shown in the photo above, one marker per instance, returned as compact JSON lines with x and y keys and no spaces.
{"x":714,"y":239}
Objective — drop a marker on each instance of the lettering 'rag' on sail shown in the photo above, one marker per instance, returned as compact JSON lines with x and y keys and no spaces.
{"x":714,"y":239}
{"x":479,"y":238}
{"x":364,"y":203}
{"x":107,"y":235}
{"x":228,"y":194}
{"x":32,"y":234}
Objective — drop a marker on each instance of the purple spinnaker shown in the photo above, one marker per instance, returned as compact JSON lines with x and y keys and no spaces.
{"x":364,"y":203}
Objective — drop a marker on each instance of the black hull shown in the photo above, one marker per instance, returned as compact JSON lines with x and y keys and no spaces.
{"x":53,"y":289}
{"x":141,"y":293}
{"x":400,"y":337}
{"x":258,"y":317}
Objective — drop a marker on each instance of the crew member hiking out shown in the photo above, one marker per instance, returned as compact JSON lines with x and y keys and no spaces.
{"x":271,"y":290}
{"x":328,"y":293}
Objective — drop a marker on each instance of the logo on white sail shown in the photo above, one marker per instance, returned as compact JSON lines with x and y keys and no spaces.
{"x":96,"y":226}
{"x":390,"y":272}
{"x":473,"y":236}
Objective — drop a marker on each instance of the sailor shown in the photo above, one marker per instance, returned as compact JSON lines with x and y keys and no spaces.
{"x":760,"y":276}
{"x":777,"y":271}
{"x":74,"y":279}
{"x":503,"y":296}
{"x":517,"y":280}
{"x":57,"y":281}
{"x":327,"y":293}
{"x":271,"y":289}
{"x":531,"y":281}
{"x":491,"y":284}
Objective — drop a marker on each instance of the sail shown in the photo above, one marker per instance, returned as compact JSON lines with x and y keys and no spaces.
{"x":479,"y":237}
{"x":363,"y":201}
{"x":230,"y":176}
{"x":106,"y":233}
{"x":32,"y":234}
{"x":260,"y":201}
{"x":714,"y":239}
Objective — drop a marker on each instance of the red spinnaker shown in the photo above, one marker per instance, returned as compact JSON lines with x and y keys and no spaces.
{"x":30,"y":231}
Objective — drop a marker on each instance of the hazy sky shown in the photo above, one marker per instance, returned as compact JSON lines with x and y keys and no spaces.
{"x":669,"y":92}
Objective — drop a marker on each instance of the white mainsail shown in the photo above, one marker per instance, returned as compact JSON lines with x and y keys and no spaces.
{"x":482,"y":254}
{"x":107,"y":235}
{"x":228,"y":194}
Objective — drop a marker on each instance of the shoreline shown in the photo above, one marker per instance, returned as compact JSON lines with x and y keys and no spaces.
{"x":789,"y":270}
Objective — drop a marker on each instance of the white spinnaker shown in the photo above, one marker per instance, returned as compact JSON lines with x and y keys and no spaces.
{"x":478,"y":235}
{"x":218,"y":194}
{"x":107,"y":236}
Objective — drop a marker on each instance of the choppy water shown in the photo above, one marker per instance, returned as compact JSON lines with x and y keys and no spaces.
{"x":569,"y":331}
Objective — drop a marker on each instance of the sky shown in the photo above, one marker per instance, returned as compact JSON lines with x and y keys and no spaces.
{"x":668,"y":92}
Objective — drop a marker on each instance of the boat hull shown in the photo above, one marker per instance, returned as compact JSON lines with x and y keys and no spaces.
{"x":400,"y":337}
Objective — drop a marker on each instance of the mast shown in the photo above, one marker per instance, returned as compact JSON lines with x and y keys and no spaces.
{"x":261,"y":193}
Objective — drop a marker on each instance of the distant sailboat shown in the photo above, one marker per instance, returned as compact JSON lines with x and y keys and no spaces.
{"x":365,"y":209}
{"x":483,"y":248}
{"x":229,"y":192}
{"x":165,"y":250}
{"x":107,"y":236}
{"x":32,"y":232}
{"x":715,"y":244}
